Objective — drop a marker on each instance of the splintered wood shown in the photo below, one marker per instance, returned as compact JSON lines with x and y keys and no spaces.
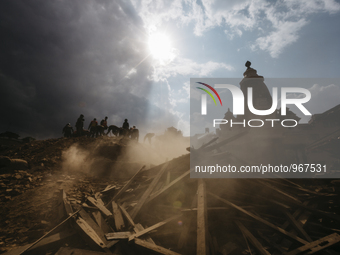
{"x":161,"y":210}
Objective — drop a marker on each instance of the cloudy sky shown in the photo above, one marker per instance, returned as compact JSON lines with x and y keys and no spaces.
{"x":134,"y":59}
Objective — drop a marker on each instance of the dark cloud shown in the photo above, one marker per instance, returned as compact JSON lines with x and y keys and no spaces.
{"x":62,"y":58}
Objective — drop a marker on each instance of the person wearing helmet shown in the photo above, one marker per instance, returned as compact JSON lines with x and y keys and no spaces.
{"x":80,"y":125}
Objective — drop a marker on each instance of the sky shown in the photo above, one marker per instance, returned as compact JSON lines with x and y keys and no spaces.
{"x":134,"y":59}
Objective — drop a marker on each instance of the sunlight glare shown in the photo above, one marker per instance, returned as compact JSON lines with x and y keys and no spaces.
{"x":160,"y":48}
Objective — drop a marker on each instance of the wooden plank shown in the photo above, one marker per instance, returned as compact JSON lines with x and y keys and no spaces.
{"x":73,"y":251}
{"x":295,"y":215}
{"x":119,"y":222}
{"x":157,"y":193}
{"x":44,"y":243}
{"x":279,"y":191}
{"x":317,"y":245}
{"x":138,"y":228}
{"x":183,"y":238}
{"x":100,"y":206}
{"x":118,"y":235}
{"x":126,"y":186}
{"x":148,"y":191}
{"x":85,"y":216}
{"x":298,"y":227}
{"x":168,"y":178}
{"x":202,"y":226}
{"x":67,"y":205}
{"x":252,"y":238}
{"x":274,"y":227}
{"x":154,"y":247}
{"x":127,"y":215}
{"x":153,"y":227}
{"x":101,"y":222}
{"x":88,"y":232}
{"x":29,"y":246}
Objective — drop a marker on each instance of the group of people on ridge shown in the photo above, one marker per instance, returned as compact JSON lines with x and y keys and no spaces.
{"x":95,"y":130}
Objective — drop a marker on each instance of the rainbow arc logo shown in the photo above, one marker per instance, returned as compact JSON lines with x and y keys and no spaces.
{"x":209,"y":93}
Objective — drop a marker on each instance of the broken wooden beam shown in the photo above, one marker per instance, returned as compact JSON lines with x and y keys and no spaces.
{"x":117,"y":215}
{"x":73,"y":251}
{"x":157,"y":193}
{"x":317,"y":245}
{"x":148,"y":191}
{"x":49,"y":232}
{"x":183,"y":238}
{"x":298,"y":227}
{"x":274,"y":227}
{"x":122,"y":190}
{"x":202,"y":217}
{"x":153,"y":227}
{"x":101,"y":222}
{"x":118,"y":235}
{"x":95,"y":227}
{"x":100,"y":206}
{"x":252,"y":238}
{"x":154,"y":247}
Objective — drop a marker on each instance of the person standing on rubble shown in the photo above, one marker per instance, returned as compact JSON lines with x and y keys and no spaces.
{"x":68,"y":130}
{"x":126,"y":124}
{"x":126,"y":128}
{"x":80,"y":125}
{"x":93,"y":127}
{"x":104,"y":123}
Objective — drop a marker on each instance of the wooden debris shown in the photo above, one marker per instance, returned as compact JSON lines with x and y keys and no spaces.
{"x":252,"y":239}
{"x":88,"y":232}
{"x":100,"y":206}
{"x":95,"y":227}
{"x":73,"y":251}
{"x":157,"y":193}
{"x":276,"y":228}
{"x":317,"y":245}
{"x":127,"y":215}
{"x":154,"y":247}
{"x":183,"y":238}
{"x":298,"y":227}
{"x":202,"y":248}
{"x":148,"y":191}
{"x":122,"y":190}
{"x":49,"y":232}
{"x":101,"y":222}
{"x":118,"y":235}
{"x":119,"y":222}
{"x":159,"y":224}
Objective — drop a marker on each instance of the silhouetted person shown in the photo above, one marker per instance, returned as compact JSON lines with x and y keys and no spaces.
{"x":134,"y":133}
{"x":68,"y":130}
{"x":93,"y":127}
{"x":80,"y":125}
{"x":149,"y":136}
{"x":126,"y":124}
{"x":104,"y":123}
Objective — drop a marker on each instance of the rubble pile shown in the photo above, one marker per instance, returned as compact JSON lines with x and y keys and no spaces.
{"x":160,"y":210}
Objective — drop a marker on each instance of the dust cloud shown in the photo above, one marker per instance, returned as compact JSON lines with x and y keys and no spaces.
{"x":120,"y":158}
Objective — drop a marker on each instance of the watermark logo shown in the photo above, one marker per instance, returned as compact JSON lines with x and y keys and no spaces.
{"x":204,"y":97}
{"x":238,"y":99}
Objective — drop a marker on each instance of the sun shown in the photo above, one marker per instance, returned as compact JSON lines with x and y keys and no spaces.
{"x":160,"y":48}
